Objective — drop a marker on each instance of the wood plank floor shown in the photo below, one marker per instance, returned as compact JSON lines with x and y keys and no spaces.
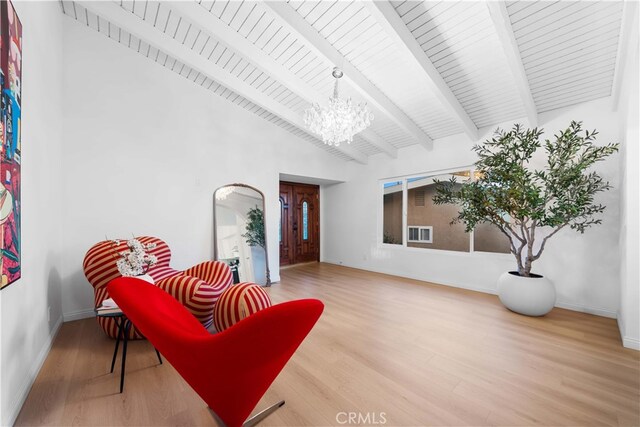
{"x":421,"y":354}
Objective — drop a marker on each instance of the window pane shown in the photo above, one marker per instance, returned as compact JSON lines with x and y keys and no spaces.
{"x":413,"y":233}
{"x":392,"y":213}
{"x":305,"y":221}
{"x":421,"y":212}
{"x":488,"y":238}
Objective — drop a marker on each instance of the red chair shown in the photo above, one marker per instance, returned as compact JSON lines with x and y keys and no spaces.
{"x":197,"y":288}
{"x":230,"y":370}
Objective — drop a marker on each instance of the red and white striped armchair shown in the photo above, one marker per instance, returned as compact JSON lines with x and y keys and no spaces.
{"x":197,"y":288}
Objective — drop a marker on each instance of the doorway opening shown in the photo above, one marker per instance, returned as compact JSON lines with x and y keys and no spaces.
{"x":299,"y":232}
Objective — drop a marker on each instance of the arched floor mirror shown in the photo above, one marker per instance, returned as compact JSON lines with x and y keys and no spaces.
{"x":239,"y":235}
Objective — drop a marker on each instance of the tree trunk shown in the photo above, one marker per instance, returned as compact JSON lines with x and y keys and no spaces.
{"x":527,"y":266}
{"x":528,"y":260}
{"x":518,"y":256}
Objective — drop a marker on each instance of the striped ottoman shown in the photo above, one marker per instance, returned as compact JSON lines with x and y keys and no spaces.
{"x":237,"y":302}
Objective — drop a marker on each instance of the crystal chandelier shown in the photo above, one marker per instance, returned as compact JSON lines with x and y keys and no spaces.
{"x":341,"y":120}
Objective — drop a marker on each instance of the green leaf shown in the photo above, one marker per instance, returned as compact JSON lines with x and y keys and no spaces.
{"x":561,"y":194}
{"x":255,"y":234}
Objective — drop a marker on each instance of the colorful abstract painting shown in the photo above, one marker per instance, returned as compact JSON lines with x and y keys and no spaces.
{"x":10,"y":149}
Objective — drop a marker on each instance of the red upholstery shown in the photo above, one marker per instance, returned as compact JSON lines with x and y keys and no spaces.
{"x":197,"y":288}
{"x":230,"y":370}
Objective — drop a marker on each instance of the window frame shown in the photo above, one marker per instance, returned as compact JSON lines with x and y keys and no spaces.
{"x":420,"y":228}
{"x":380,"y":225}
{"x":405,"y":227}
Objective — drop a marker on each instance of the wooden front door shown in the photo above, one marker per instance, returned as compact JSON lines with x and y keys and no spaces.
{"x":299,"y":223}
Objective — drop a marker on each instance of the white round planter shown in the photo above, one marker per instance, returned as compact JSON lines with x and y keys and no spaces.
{"x":531,"y":296}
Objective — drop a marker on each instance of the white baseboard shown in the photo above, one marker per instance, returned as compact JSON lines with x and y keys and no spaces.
{"x":620,"y":324}
{"x":586,"y":309}
{"x":472,"y":287}
{"x":467,"y":286}
{"x":23,"y":391}
{"x":79,"y":314}
{"x":631,"y":343}
{"x":628,"y":342}
{"x":275,"y":278}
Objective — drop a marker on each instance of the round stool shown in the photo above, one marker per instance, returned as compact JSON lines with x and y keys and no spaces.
{"x":237,"y":302}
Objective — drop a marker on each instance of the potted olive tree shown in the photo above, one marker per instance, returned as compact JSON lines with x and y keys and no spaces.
{"x":529,"y":206}
{"x":255,"y":228}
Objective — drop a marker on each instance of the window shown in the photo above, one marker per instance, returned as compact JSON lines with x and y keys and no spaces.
{"x":392,"y":213}
{"x":488,"y":238}
{"x":423,"y":213}
{"x":420,"y":234}
{"x":408,"y":205}
{"x":305,"y":221}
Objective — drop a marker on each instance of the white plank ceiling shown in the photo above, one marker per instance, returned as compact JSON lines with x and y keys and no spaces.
{"x":427,"y":69}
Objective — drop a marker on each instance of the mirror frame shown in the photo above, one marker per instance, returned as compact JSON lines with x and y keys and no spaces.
{"x":264,"y":213}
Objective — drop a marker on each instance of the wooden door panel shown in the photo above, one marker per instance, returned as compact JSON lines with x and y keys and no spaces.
{"x":305,"y":227}
{"x":300,"y":217}
{"x":286,"y":232}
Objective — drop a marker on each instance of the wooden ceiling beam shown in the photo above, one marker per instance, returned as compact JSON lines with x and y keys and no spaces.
{"x":295,"y":24}
{"x":392,"y":24}
{"x":201,"y":18}
{"x":628,"y":34}
{"x":502,"y":24}
{"x":131,"y":23}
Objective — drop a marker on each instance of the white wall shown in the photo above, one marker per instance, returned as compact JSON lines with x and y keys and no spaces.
{"x":629,"y":318}
{"x":144,"y":151}
{"x":26,"y":331}
{"x":583,"y":267}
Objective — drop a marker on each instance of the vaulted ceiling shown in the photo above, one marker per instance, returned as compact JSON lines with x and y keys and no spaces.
{"x":427,"y":69}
